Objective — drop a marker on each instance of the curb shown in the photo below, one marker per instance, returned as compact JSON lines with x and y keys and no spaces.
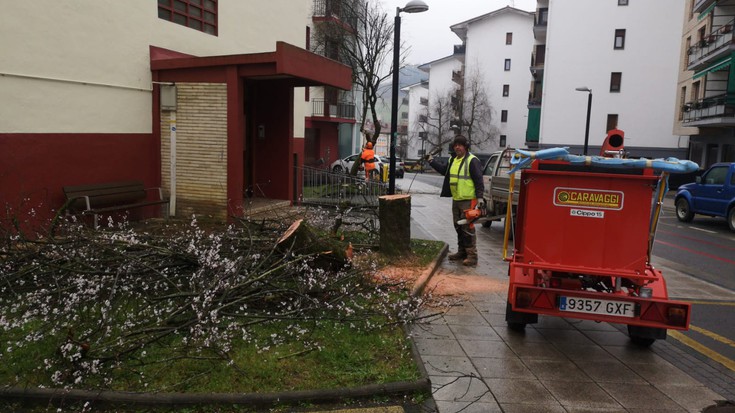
{"x":183,"y":399}
{"x":423,"y":384}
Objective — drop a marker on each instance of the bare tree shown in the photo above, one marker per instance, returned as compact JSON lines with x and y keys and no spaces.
{"x":438,"y":116}
{"x":363,"y":39}
{"x":476,"y":112}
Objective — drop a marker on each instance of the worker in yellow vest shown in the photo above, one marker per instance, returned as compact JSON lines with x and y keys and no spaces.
{"x":463,"y":182}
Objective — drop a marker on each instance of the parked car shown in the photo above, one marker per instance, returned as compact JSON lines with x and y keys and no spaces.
{"x":345,"y":165}
{"x":400,"y":167}
{"x":712,"y":194}
{"x":497,"y":185}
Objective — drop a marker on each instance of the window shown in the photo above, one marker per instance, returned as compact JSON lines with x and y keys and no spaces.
{"x":503,"y":115}
{"x":543,"y":16}
{"x":424,"y":101}
{"x":683,"y":102}
{"x":198,"y":14}
{"x":507,"y":65}
{"x":502,"y":141}
{"x":404,"y":115}
{"x":695,"y":91}
{"x":691,"y":9}
{"x":423,"y":118}
{"x":716,"y":176}
{"x":612,"y":122}
{"x":702,"y":36}
{"x":615,"y":78}
{"x":622,"y":2}
{"x":509,"y":38}
{"x":728,"y":155}
{"x":490,"y":165}
{"x":619,"y":39}
{"x":506,"y":90}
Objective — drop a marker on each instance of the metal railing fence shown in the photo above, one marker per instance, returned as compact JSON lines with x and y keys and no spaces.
{"x":322,"y":187}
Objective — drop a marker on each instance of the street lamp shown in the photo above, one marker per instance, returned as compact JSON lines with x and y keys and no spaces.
{"x":413,"y":6}
{"x":589,"y":110}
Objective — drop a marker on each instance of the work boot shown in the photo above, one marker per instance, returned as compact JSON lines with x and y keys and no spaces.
{"x":459,"y":255}
{"x":471,"y":259}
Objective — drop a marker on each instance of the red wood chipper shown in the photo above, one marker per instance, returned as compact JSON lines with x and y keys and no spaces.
{"x":583,"y":237}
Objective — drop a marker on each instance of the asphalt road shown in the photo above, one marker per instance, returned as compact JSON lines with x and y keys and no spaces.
{"x":705,"y":248}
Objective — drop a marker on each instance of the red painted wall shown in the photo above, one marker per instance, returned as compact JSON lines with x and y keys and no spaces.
{"x":274,"y":151}
{"x":34,"y":167}
{"x":326,"y":145}
{"x":298,"y":152}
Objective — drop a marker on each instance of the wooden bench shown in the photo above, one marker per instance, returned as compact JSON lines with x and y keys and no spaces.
{"x":110,"y":197}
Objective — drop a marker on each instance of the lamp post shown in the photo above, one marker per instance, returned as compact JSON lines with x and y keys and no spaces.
{"x":413,"y":6}
{"x":589,"y":110}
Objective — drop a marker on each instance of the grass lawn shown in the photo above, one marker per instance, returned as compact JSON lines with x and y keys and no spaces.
{"x":201,"y":310}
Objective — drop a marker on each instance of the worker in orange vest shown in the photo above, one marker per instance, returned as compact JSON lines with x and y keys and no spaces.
{"x":368,"y":159}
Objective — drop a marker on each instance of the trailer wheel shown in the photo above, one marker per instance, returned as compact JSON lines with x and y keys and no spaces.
{"x":645,"y":336}
{"x":517,"y":326}
{"x":642,"y":342}
{"x":683,"y":210}
{"x":516,"y":320}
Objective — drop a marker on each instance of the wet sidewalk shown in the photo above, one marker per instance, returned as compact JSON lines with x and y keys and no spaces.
{"x":477,"y":364}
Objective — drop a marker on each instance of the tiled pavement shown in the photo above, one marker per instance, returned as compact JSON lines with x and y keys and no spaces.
{"x":476,"y":364}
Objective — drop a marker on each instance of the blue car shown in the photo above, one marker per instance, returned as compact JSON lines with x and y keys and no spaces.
{"x":712,"y":194}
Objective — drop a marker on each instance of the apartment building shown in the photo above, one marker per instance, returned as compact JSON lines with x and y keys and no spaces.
{"x":440,"y":114}
{"x":330,"y":121}
{"x":408,"y":76}
{"x":624,"y":54}
{"x":202,"y":97}
{"x":417,"y":96}
{"x":496,"y":64}
{"x":706,"y":96}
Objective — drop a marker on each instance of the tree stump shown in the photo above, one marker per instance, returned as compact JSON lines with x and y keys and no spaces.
{"x":394,"y":212}
{"x":302,"y":239}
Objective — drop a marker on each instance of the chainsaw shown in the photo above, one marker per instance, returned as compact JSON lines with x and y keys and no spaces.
{"x":475,"y":212}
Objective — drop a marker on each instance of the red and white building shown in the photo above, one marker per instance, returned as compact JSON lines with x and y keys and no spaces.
{"x":91,"y":92}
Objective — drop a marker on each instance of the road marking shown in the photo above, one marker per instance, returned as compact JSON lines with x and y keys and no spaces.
{"x":706,"y":351}
{"x":703,"y":230}
{"x":712,"y":335}
{"x":697,"y":240}
{"x":714,"y":257}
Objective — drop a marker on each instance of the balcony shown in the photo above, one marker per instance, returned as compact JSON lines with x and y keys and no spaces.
{"x":336,"y":10}
{"x":713,"y":46}
{"x":538,"y":58}
{"x":702,"y":5}
{"x":534,"y":101}
{"x":457,"y":77}
{"x":711,"y":111}
{"x":340,"y":110}
{"x":539,"y":26}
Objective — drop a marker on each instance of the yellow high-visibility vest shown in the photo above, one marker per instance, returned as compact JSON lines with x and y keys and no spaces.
{"x":460,"y":181}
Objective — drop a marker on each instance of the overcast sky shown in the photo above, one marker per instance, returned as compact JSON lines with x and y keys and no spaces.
{"x":428,"y":35}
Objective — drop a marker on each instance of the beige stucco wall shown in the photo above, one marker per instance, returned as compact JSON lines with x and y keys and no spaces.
{"x":201,"y":150}
{"x":691,"y":26}
{"x":82,"y":66}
